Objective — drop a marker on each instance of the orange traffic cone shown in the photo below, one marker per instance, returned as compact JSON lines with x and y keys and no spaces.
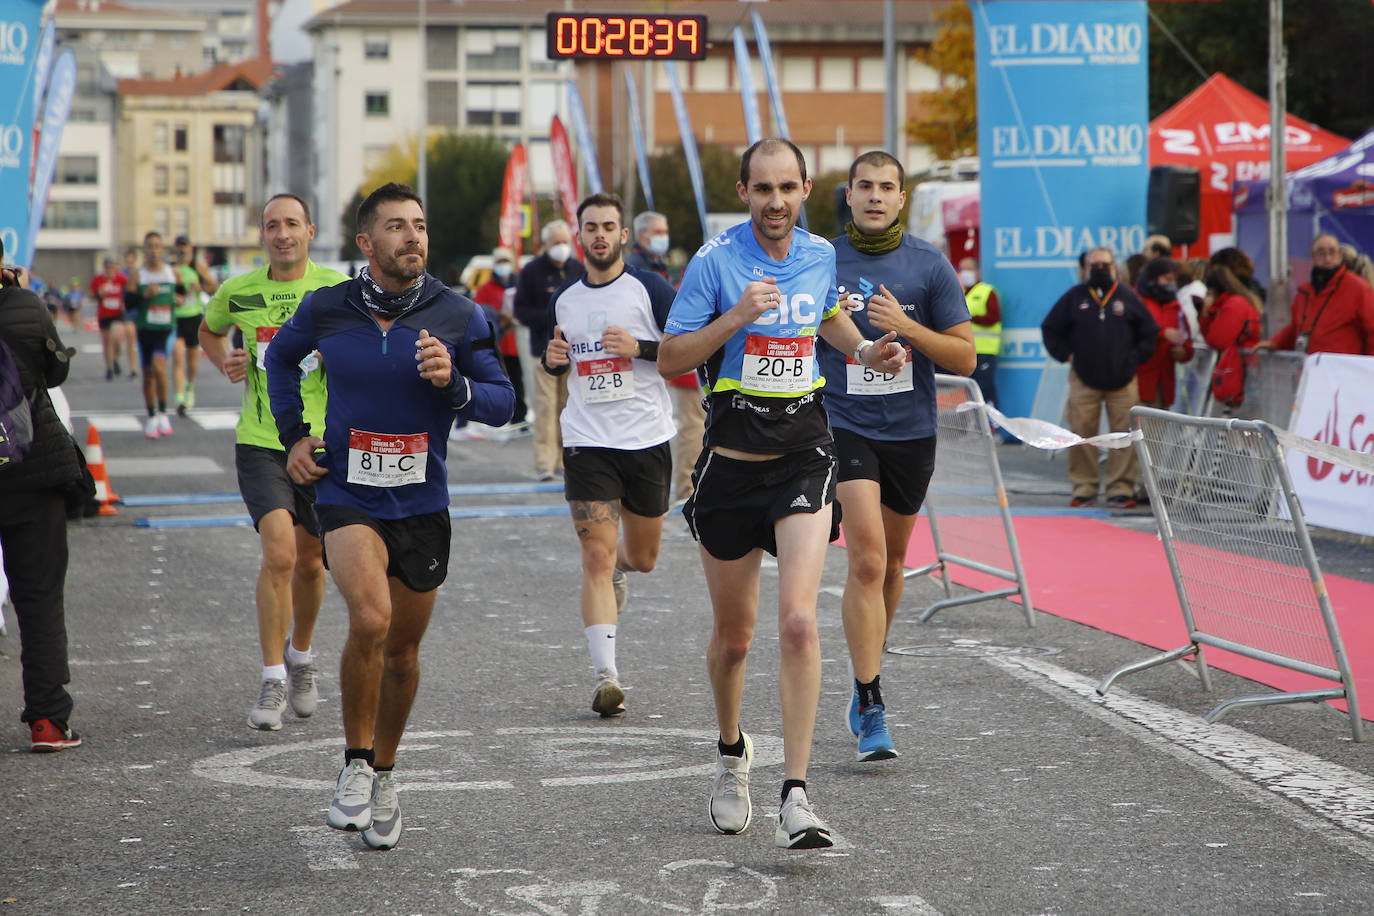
{"x":95,"y":460}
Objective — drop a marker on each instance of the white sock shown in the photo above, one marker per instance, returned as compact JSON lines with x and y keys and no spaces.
{"x":601,"y":645}
{"x":296,"y":657}
{"x":274,"y":672}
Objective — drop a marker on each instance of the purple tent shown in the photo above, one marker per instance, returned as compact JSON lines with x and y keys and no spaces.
{"x":1334,"y":195}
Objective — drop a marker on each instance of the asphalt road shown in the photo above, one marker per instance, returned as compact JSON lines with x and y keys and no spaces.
{"x":1018,"y":791}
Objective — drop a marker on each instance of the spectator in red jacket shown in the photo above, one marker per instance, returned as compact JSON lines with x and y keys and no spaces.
{"x":1158,"y":289}
{"x":1333,"y":312}
{"x":494,"y":295}
{"x":1231,"y":312}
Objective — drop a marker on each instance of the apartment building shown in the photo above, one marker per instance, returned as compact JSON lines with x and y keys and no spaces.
{"x":483,"y":67}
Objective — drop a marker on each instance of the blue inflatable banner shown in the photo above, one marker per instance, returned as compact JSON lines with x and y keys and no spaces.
{"x":1063,"y":113}
{"x":19,"y":48}
{"x":61,"y":90}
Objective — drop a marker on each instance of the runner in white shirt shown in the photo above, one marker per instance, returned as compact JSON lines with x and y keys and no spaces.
{"x":617,"y":426}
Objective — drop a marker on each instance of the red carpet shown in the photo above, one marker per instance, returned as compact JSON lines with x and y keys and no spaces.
{"x":1095,"y":573}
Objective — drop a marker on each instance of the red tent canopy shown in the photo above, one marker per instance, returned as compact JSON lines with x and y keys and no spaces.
{"x":1222,"y":129}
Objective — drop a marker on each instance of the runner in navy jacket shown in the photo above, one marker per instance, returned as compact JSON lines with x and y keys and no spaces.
{"x":373,"y":386}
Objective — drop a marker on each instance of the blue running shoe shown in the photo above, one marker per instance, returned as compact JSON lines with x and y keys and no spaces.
{"x":852,"y":713}
{"x":874,"y":741}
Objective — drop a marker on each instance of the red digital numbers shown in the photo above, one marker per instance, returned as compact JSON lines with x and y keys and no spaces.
{"x":601,"y":36}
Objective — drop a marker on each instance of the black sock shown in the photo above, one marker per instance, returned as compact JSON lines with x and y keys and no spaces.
{"x":869,"y":694}
{"x":357,"y":753}
{"x":731,"y":750}
{"x":161,"y":406}
{"x":152,"y":412}
{"x":789,"y":784}
{"x":383,"y":769}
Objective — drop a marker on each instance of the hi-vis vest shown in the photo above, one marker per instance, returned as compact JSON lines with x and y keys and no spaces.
{"x":987,"y":339}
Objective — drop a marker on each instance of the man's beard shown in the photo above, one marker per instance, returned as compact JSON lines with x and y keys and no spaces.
{"x":612,"y":257}
{"x":395,"y":269}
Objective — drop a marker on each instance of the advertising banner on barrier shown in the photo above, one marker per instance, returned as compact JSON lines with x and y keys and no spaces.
{"x":1062,"y":123}
{"x":19,"y":48}
{"x":1335,"y":407}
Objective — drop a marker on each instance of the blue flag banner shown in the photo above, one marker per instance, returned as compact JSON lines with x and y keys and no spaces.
{"x":689,"y":144}
{"x":753,"y":125}
{"x":637,"y":133}
{"x":61,"y":89}
{"x":584,"y":139}
{"x":1063,"y":159}
{"x":19,"y":48}
{"x":770,"y":76}
{"x":44,"y":64}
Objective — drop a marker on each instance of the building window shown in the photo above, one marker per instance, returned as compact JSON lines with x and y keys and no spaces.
{"x":872,"y":74}
{"x":493,"y":104}
{"x":711,"y":75}
{"x":537,"y":52}
{"x":442,"y":107}
{"x":228,"y":198}
{"x":181,"y":221}
{"x":160,"y":136}
{"x":181,"y":180}
{"x":229,"y":142}
{"x":837,"y":74}
{"x":160,"y":179}
{"x":798,"y":74}
{"x":492,"y":49}
{"x":77,"y":170}
{"x":72,"y":214}
{"x":160,"y":221}
{"x":377,"y":48}
{"x":441,"y":47}
{"x":179,"y":138}
{"x":377,"y":104}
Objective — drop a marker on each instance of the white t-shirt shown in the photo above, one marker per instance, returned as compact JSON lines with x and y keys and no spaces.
{"x":614,"y":402}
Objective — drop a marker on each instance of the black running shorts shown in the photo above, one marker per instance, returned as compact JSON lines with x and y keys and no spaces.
{"x":266,"y":486}
{"x":901,"y":468}
{"x":736,"y":503}
{"x":417,"y":547}
{"x":188,"y":329}
{"x":150,"y":343}
{"x":638,"y":478}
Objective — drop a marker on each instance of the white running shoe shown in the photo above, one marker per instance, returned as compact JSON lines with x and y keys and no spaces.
{"x":385,"y":830}
{"x":798,"y":825}
{"x":351,"y":808}
{"x":730,"y":808}
{"x":301,"y":690}
{"x":609,"y":698}
{"x":164,"y":424}
{"x":151,"y":428}
{"x":266,"y":715}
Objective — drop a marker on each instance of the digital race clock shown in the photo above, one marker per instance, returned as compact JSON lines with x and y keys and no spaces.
{"x":611,"y":36}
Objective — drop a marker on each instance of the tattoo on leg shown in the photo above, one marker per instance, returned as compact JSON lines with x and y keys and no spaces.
{"x":587,"y":513}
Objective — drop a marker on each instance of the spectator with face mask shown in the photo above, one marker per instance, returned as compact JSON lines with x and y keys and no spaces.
{"x":497,"y":294}
{"x":1158,"y":289}
{"x":1333,"y":312}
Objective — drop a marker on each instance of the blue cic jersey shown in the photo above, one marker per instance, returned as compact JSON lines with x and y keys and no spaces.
{"x":874,"y":405}
{"x":764,"y":383}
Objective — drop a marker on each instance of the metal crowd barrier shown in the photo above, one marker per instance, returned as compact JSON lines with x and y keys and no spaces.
{"x":1247,"y":577}
{"x":1271,"y":388}
{"x":966,"y":503}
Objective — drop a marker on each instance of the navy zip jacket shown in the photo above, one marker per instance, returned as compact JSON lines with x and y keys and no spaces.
{"x":376,"y":394}
{"x":1107,"y":342}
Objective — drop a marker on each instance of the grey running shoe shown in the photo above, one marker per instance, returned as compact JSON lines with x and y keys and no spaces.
{"x":730,"y":808}
{"x":798,"y":825}
{"x":621,"y":583}
{"x":609,"y":698}
{"x":302,"y":692}
{"x":351,"y":808}
{"x":385,"y":831}
{"x":271,"y":702}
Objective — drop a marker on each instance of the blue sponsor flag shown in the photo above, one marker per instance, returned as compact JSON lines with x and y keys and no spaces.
{"x":61,"y":89}
{"x":637,"y":132}
{"x":689,"y":144}
{"x":753,"y":124}
{"x":1063,"y":160}
{"x":770,"y":76}
{"x":44,"y":64}
{"x":584,"y":138}
{"x":20,"y":43}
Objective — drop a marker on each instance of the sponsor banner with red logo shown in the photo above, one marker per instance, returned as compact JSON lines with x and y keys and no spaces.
{"x":1335,"y":407}
{"x":564,"y":172}
{"x":512,"y":198}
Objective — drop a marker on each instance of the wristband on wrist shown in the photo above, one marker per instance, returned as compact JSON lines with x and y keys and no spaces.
{"x":859,"y":350}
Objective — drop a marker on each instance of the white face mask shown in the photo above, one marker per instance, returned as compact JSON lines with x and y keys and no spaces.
{"x":503,"y":270}
{"x":560,"y":253}
{"x":968,"y":278}
{"x":659,"y":245}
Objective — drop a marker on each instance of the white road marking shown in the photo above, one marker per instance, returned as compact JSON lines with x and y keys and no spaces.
{"x":162,"y":466}
{"x":1326,"y":798}
{"x":326,"y":849}
{"x":906,"y":905}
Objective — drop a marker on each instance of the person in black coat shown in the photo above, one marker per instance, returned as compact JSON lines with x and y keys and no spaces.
{"x":1103,"y":330}
{"x":34,"y":494}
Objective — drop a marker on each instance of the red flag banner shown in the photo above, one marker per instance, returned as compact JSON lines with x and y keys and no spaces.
{"x":563,"y":171}
{"x":512,"y":197}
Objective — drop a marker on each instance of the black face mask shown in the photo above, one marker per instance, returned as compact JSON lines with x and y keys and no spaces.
{"x":1100,"y":277}
{"x":1160,"y":292}
{"x":1322,"y":276}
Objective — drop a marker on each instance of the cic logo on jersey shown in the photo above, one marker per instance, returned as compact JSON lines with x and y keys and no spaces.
{"x":796,"y":309}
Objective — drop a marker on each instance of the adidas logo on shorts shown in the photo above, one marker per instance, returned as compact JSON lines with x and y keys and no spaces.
{"x":801,"y":502}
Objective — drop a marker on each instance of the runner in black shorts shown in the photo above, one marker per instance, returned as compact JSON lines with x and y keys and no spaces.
{"x":617,"y":427}
{"x":417,"y":547}
{"x":884,"y":424}
{"x":751,"y":305}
